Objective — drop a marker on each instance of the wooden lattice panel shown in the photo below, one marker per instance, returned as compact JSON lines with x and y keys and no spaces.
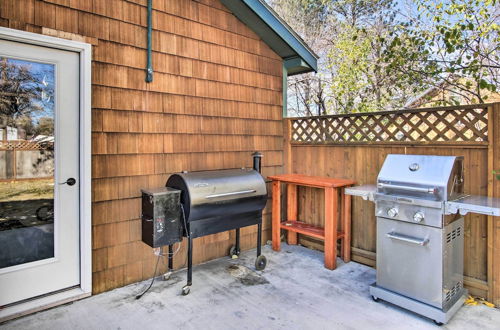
{"x":445,"y":125}
{"x":25,"y":145}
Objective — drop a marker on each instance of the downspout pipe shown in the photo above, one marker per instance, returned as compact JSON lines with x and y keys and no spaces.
{"x":149,"y":69}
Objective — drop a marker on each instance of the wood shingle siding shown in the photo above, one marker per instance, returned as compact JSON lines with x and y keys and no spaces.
{"x":216,"y":97}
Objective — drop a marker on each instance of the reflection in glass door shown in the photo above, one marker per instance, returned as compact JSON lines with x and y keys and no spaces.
{"x":27,"y":119}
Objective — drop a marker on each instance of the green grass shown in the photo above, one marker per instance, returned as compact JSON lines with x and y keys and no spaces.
{"x":26,"y":190}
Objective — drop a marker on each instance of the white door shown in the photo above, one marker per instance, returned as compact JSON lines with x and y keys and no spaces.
{"x":39,"y":152}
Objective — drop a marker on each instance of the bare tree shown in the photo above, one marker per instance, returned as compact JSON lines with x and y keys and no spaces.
{"x":310,"y":19}
{"x":23,"y":94}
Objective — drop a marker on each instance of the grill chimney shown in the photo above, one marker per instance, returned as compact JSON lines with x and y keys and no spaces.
{"x":257,"y":157}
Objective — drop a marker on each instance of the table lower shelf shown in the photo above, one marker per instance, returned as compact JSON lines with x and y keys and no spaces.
{"x":307,"y":229}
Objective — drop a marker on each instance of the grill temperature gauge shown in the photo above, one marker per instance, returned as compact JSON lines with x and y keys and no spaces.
{"x":392,"y":212}
{"x":418,"y":217}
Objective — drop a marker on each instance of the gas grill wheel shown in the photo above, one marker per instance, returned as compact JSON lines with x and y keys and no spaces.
{"x":260,"y":262}
{"x":233,"y":252}
{"x":185,"y":290}
{"x":167,"y":275}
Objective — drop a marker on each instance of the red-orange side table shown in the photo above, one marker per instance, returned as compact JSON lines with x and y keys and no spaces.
{"x":329,"y":233}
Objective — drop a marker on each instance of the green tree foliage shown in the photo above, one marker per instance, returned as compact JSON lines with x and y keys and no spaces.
{"x":451,"y":45}
{"x":386,"y":54}
{"x":349,"y":36}
{"x":349,"y":61}
{"x":359,"y":79}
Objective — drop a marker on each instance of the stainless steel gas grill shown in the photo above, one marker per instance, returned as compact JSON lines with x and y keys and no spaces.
{"x":419,"y":206}
{"x":217,"y":201}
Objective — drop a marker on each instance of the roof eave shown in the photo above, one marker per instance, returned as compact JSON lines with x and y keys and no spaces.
{"x":296,"y":65}
{"x":264,"y":21}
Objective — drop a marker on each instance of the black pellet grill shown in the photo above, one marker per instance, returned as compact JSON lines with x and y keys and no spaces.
{"x":196,"y":204}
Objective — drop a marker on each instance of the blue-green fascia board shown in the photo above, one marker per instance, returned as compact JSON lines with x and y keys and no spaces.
{"x":295,"y":65}
{"x":264,"y":21}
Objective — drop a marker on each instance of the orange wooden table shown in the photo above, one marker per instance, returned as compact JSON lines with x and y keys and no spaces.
{"x":329,"y":233}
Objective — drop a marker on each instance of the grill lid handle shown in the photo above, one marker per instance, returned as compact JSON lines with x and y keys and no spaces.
{"x":230,"y":194}
{"x":408,"y":239}
{"x":431,"y":191}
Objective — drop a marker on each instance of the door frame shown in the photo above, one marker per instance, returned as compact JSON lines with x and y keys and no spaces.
{"x":85,"y":288}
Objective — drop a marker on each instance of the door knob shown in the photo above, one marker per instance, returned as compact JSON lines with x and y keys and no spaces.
{"x":69,"y":182}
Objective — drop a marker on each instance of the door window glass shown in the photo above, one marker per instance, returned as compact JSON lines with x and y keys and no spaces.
{"x":27,"y":140}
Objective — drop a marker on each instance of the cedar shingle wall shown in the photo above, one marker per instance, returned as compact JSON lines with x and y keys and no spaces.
{"x":215,"y":98}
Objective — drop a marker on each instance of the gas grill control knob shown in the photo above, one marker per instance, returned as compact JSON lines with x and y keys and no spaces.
{"x":418,"y":217}
{"x":392,"y":212}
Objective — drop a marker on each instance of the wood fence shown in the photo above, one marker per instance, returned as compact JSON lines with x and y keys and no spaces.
{"x":26,"y":160}
{"x":355,"y":146}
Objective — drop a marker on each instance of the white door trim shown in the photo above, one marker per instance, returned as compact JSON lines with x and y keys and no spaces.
{"x":85,"y":288}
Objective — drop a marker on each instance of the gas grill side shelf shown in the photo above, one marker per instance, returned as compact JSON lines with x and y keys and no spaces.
{"x":474,"y":204}
{"x":367,"y":191}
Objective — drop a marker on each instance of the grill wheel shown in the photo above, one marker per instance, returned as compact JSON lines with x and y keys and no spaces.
{"x":260,"y":262}
{"x":233,"y":252}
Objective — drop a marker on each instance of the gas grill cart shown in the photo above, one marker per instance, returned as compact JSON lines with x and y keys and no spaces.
{"x":420,"y":206}
{"x":209,"y":202}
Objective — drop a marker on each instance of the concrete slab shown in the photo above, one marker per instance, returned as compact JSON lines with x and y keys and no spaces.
{"x":295,"y":291}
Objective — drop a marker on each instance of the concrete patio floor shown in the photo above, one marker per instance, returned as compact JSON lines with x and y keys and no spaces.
{"x":295,"y":291}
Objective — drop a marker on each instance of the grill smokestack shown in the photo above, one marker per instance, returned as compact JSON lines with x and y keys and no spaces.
{"x":257,"y":157}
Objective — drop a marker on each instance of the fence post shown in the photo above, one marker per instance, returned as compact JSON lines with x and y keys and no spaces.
{"x":14,"y":164}
{"x":491,"y":142}
{"x":493,"y":191}
{"x":287,"y":146}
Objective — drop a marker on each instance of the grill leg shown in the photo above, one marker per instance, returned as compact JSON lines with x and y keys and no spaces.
{"x":237,"y":243}
{"x":167,"y":275}
{"x":259,"y":238}
{"x":260,"y":261}
{"x":170,"y":258}
{"x":190,"y":262}
{"x":187,"y":288}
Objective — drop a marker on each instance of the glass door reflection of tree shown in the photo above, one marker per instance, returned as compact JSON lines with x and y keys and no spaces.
{"x":26,"y":161}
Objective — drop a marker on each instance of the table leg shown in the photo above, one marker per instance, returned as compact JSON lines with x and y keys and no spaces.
{"x":331,"y":205}
{"x":342,"y":222}
{"x":292,"y":211}
{"x":346,"y":246}
{"x":276,"y":230}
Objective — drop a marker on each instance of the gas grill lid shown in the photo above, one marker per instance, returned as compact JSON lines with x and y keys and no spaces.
{"x":437,"y":178}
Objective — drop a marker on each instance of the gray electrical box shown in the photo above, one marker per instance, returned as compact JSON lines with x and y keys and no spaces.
{"x":161,"y":217}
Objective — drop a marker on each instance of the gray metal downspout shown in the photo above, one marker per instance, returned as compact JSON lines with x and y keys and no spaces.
{"x":285,"y":90}
{"x":149,"y":69}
